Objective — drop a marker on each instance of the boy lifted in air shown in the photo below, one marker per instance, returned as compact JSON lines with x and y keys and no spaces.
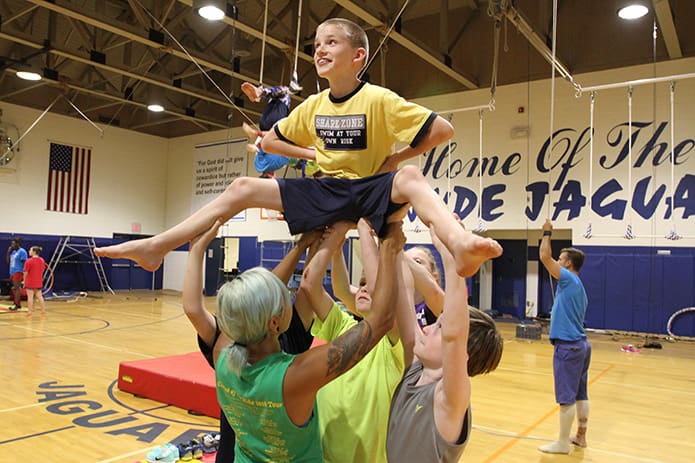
{"x":352,"y":126}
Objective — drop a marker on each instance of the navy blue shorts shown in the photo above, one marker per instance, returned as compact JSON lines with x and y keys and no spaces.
{"x":570,"y":368}
{"x":310,"y":203}
{"x":275,"y":110}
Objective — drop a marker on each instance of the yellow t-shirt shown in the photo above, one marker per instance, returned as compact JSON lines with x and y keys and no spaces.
{"x":354,"y":408}
{"x":353,"y":135}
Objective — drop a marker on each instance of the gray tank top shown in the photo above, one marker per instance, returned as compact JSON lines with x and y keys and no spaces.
{"x":412,"y":434}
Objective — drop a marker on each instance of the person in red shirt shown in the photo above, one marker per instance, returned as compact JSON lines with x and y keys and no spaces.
{"x":33,"y":279}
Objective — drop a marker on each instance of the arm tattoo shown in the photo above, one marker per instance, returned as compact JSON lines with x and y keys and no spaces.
{"x":350,"y":348}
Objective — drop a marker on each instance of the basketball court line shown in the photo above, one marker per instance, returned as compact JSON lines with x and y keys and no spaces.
{"x":533,"y":426}
{"x":89,"y":343}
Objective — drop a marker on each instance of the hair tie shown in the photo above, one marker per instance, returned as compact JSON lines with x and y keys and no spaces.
{"x":240,"y":344}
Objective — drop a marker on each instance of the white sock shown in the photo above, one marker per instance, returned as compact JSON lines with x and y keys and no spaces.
{"x":562,"y":444}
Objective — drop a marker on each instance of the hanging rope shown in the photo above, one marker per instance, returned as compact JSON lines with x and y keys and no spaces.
{"x":481,"y":225}
{"x":386,"y":36}
{"x":265,"y":28}
{"x":673,"y":235}
{"x":552,"y":104}
{"x":33,"y":124}
{"x":587,"y":234}
{"x":295,"y":77}
{"x":495,"y":61}
{"x":628,"y":233}
{"x":195,"y":61}
{"x":448,"y":171}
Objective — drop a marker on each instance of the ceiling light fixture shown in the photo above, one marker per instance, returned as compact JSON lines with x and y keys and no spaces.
{"x":155,"y":99}
{"x":28,"y":75}
{"x":633,"y":10}
{"x":213,"y":10}
{"x":155,"y":107}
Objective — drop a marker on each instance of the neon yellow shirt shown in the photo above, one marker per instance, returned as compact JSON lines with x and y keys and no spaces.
{"x":353,"y":135}
{"x":354,"y":408}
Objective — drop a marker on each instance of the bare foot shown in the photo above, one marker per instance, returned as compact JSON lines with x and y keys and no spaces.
{"x":250,"y":132}
{"x":143,"y":252}
{"x":29,"y":314}
{"x":580,"y":438}
{"x":252,"y":92}
{"x":472,"y":251}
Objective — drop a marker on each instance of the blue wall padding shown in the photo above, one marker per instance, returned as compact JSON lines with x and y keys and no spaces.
{"x":509,"y":279}
{"x":80,"y":275}
{"x":636,"y":289}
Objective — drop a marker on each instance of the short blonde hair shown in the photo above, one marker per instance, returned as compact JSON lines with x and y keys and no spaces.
{"x":245,"y":306}
{"x":353,"y":32}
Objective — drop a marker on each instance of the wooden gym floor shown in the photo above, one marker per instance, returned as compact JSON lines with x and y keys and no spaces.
{"x":60,"y":401}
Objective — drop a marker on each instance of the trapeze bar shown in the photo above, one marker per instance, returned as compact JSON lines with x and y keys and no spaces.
{"x":488,"y":106}
{"x":632,"y":83}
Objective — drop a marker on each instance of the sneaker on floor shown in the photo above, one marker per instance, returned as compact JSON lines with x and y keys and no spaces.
{"x":185,"y":452}
{"x":196,"y":448}
{"x":15,"y":307}
{"x":211,"y":442}
{"x":163,"y":454}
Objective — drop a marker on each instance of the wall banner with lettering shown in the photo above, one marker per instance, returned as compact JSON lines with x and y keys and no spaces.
{"x":215,"y":166}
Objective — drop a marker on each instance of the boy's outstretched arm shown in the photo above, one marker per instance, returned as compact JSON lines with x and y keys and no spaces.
{"x":440,"y":131}
{"x":193,"y":300}
{"x":271,"y":143}
{"x":453,"y":391}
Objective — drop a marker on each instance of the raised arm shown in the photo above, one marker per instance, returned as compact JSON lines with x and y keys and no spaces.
{"x":288,"y":264}
{"x":406,"y":322}
{"x":427,"y":285}
{"x":193,"y":301}
{"x":439,"y":131}
{"x":340,"y":281}
{"x":271,"y":143}
{"x":311,"y":290}
{"x":316,"y":367}
{"x":369,"y":251}
{"x":453,"y":391}
{"x":546,"y":252}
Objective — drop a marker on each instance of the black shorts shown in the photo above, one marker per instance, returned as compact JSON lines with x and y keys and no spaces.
{"x":310,"y":203}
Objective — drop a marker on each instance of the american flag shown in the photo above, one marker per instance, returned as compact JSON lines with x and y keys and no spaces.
{"x":68,"y":179}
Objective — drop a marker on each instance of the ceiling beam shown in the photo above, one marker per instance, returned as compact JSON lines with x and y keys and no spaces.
{"x":102,"y":24}
{"x":124,"y":72}
{"x":435,"y":59}
{"x":283,"y":46}
{"x":662,"y":8}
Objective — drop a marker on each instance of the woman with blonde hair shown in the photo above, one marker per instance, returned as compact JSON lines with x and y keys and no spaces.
{"x":268,"y":396}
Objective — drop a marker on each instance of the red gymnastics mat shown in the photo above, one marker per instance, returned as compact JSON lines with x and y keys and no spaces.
{"x":185,"y":381}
